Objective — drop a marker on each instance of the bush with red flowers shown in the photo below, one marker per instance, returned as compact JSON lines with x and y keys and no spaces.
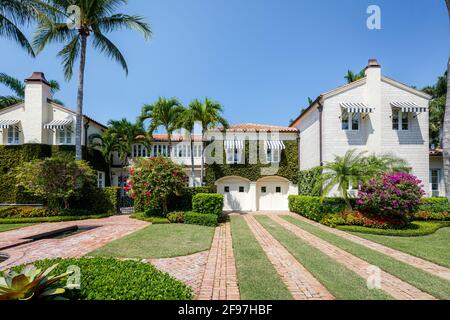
{"x":152,"y":181}
{"x":391,"y":197}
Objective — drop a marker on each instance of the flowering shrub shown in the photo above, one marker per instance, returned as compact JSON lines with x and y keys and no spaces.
{"x":355,"y":218}
{"x":152,"y":181}
{"x":391,"y":196}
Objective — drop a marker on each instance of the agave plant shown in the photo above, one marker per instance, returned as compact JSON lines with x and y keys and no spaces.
{"x":31,"y":283}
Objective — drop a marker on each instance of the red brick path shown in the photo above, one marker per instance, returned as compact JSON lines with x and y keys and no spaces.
{"x":395,"y":287}
{"x":220,"y":280}
{"x":416,"y":262}
{"x":301,"y":283}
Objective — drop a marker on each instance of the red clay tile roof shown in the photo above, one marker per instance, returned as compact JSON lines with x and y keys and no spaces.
{"x":254,"y":127}
{"x":162,"y":137}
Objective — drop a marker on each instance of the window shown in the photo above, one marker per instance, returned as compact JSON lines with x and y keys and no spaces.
{"x":272,"y":156}
{"x":233,"y":156}
{"x":434,"y":181}
{"x":241,"y":189}
{"x":139,"y":151}
{"x":278,"y":190}
{"x":345,"y":119}
{"x":100,"y":179}
{"x":197,"y":151}
{"x":13,"y":135}
{"x":227,"y":189}
{"x":263,"y":189}
{"x":400,"y":120}
{"x":160,"y":150}
{"x":65,"y":136}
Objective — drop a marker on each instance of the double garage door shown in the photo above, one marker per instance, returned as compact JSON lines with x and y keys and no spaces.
{"x":271,"y":194}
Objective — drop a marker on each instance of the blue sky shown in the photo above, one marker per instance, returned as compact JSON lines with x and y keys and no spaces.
{"x":261,"y":59}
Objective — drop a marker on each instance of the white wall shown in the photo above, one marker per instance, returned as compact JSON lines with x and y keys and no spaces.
{"x":309,"y":140}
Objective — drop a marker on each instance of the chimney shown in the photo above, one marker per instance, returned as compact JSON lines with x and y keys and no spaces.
{"x":373,"y":99}
{"x":37,"y":93}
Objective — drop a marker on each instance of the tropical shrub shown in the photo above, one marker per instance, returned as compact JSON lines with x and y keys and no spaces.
{"x":391,"y":196}
{"x":208,"y":203}
{"x":97,"y":200}
{"x":200,"y":219}
{"x":431,"y":216}
{"x":355,"y":218}
{"x":111,"y":279}
{"x":153,"y":181}
{"x":176,"y":217}
{"x":32,"y":284}
{"x":55,"y":179}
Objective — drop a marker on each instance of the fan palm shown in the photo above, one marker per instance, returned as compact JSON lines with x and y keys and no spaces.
{"x":352,"y":77}
{"x":187,"y":121}
{"x":97,"y":18}
{"x":447,"y":126}
{"x":164,"y":113}
{"x":18,"y":89}
{"x":14,"y":13}
{"x":209,"y":114}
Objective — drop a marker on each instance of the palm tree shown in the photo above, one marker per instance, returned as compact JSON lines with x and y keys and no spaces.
{"x":376,"y":165}
{"x":107,"y":143}
{"x":14,"y":13}
{"x":352,"y":77}
{"x":126,"y":134}
{"x":163,"y":113}
{"x":187,"y":121}
{"x":446,"y":137}
{"x":343,"y":172}
{"x":97,"y":18}
{"x":18,"y":88}
{"x":208,"y":113}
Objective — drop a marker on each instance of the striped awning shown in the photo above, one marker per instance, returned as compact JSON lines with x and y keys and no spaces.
{"x":357,"y":107}
{"x":58,"y":124}
{"x":408,"y":107}
{"x":6,"y":124}
{"x":274,"y":145}
{"x":233,"y":144}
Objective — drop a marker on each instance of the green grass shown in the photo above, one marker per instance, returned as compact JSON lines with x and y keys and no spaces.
{"x":50,"y":219}
{"x":258,"y":279}
{"x":8,"y":227}
{"x":435,"y":247}
{"x":341,"y":282}
{"x":154,"y":220}
{"x":416,"y":229}
{"x":422,"y":280}
{"x":159,"y":241}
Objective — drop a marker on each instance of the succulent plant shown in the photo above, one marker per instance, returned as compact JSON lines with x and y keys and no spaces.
{"x":32,"y":283}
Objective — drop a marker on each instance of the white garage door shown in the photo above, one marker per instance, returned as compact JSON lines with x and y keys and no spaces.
{"x":273,"y":196}
{"x":235,"y":193}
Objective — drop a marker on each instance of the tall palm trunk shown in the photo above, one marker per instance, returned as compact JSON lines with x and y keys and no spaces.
{"x":202,"y":172}
{"x":192,"y":162}
{"x":446,"y":138}
{"x":80,"y":94}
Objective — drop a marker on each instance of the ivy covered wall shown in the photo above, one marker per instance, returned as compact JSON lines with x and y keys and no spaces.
{"x":12,"y":156}
{"x":288,"y":166}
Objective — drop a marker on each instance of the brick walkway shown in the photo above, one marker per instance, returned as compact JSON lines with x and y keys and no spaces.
{"x":416,"y":262}
{"x":189,"y":269}
{"x":75,"y":246}
{"x":395,"y":287}
{"x":220,"y":280}
{"x":301,"y":283}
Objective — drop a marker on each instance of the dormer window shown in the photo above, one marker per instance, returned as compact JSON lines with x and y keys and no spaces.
{"x":13,"y":135}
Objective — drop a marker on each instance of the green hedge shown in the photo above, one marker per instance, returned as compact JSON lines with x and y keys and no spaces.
{"x":111,"y":279}
{"x":12,"y":156}
{"x":51,"y":219}
{"x":201,"y":219}
{"x":98,"y":200}
{"x":436,"y":205}
{"x":315,"y":208}
{"x":208,"y":203}
{"x":307,"y":179}
{"x":288,"y":166}
{"x":184,"y":201}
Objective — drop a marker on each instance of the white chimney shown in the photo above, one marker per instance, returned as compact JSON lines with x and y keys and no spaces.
{"x":373,"y":99}
{"x":37,"y":93}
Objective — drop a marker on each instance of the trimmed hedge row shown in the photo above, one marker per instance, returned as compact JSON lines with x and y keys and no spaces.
{"x":201,"y":219}
{"x":315,"y":208}
{"x":111,"y":279}
{"x":51,"y":219}
{"x":184,"y":201}
{"x":208,"y":203}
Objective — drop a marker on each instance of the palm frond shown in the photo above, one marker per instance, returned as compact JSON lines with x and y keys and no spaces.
{"x":108,"y":48}
{"x":9,"y":30}
{"x":14,"y":84}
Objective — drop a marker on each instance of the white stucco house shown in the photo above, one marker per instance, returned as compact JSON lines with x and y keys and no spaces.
{"x":375,"y":114}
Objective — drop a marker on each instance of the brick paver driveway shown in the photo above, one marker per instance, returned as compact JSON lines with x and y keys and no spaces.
{"x":25,"y":251}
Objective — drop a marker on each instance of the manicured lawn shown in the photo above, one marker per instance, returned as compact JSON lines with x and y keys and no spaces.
{"x":342,"y":283}
{"x":8,"y":227}
{"x":258,"y":280}
{"x":435,"y":247}
{"x":422,"y":280}
{"x":159,"y":241}
{"x":416,"y":229}
{"x":9,"y":221}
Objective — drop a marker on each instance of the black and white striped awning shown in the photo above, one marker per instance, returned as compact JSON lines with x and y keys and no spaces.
{"x":408,"y":107}
{"x":233,"y":144}
{"x":58,"y":124}
{"x":357,"y":107}
{"x":6,"y":124}
{"x":274,"y":145}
